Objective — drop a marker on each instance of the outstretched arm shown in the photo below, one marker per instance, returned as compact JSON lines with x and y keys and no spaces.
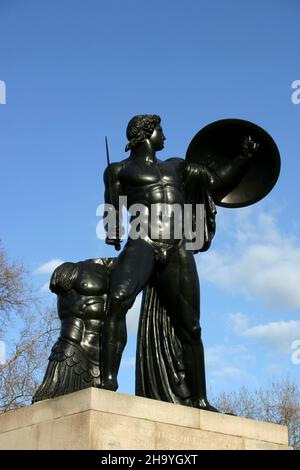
{"x":228,"y":177}
{"x":222,"y":181}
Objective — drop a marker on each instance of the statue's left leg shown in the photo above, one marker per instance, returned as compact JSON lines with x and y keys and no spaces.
{"x":131,"y":273}
{"x":179,"y":291}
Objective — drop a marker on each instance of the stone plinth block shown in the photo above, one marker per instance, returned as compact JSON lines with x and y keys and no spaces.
{"x":103,"y":420}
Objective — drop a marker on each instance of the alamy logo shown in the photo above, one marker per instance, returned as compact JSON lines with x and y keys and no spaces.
{"x":161,"y":223}
{"x":2,"y":92}
{"x":295,"y":97}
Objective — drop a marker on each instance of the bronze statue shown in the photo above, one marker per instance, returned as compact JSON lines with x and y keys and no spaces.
{"x":81,"y":290}
{"x":165,"y":264}
{"x":160,"y":365}
{"x":231,"y":163}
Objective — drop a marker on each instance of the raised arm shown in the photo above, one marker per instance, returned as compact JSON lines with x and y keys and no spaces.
{"x":229,"y":176}
{"x":222,"y":181}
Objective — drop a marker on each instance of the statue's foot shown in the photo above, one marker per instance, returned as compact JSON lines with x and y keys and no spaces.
{"x":110,"y":384}
{"x":187,"y":402}
{"x":203,"y":404}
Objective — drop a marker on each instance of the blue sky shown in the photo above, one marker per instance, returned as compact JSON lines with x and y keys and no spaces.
{"x":76,"y":71}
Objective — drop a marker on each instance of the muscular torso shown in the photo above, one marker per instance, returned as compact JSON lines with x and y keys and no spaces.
{"x":157,"y":185}
{"x":84,"y":305}
{"x":87,"y":298}
{"x":147,"y":182}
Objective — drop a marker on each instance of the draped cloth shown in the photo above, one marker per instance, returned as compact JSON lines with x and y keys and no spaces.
{"x":159,"y":364}
{"x":197,"y":183}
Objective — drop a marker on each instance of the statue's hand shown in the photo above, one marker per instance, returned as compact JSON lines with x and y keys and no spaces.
{"x":249,"y":147}
{"x":116,"y":242}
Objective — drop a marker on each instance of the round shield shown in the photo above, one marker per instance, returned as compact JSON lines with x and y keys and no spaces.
{"x":221,"y":141}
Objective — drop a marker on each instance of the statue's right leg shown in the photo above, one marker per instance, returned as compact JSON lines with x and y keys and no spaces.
{"x":131,"y":273}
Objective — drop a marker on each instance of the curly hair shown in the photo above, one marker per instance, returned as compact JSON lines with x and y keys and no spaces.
{"x":140,"y":128}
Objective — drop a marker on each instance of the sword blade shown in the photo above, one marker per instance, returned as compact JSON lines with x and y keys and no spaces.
{"x":107,"y":152}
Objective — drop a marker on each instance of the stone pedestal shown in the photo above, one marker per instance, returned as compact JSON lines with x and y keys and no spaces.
{"x":99,"y":419}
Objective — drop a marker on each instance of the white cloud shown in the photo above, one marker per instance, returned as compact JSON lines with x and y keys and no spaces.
{"x":229,"y":372}
{"x":45,"y":287}
{"x":275,"y":369}
{"x":224,"y":362}
{"x":218,"y":355}
{"x":278,"y":336}
{"x":49,"y":266}
{"x":257,"y":261}
{"x":239,"y":323}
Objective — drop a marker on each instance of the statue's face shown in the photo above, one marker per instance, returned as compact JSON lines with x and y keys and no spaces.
{"x":157,"y":138}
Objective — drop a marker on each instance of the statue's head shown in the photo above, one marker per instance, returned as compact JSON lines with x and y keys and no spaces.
{"x":140,"y":128}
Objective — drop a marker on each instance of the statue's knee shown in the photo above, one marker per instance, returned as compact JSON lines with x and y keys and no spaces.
{"x":121,"y":297}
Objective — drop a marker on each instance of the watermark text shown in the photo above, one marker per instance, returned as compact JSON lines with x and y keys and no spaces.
{"x":161,"y":222}
{"x":296,"y":354}
{"x":2,"y":92}
{"x":295,"y":97}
